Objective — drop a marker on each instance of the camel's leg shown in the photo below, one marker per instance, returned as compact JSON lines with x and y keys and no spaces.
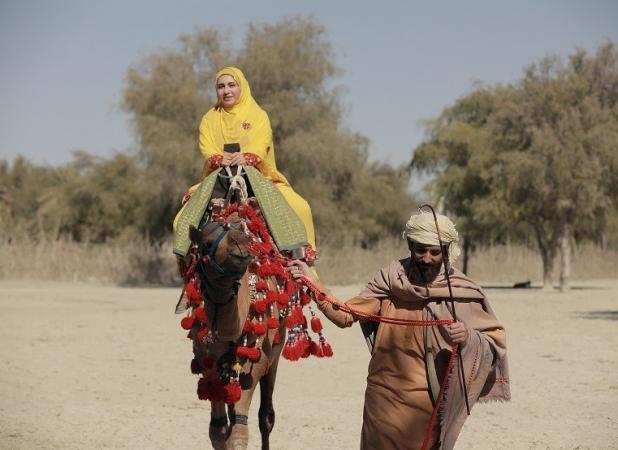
{"x":266,"y":413}
{"x":218,"y":431}
{"x":239,"y":420}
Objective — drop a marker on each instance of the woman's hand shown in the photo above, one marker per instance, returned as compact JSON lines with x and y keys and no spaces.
{"x":233,"y":159}
{"x":298,"y":269}
{"x":458,"y":333}
{"x":228,"y":159}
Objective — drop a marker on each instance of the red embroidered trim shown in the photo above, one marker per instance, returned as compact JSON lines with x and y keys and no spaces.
{"x":251,"y":159}
{"x":186,"y":197}
{"x":502,"y":380}
{"x":473,"y":368}
{"x":215,"y":161}
{"x":310,"y":254}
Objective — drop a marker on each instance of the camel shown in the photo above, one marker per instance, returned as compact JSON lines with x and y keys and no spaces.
{"x":241,"y":305}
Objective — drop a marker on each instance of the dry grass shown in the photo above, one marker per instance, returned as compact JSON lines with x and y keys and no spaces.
{"x":140,"y":263}
{"x":510,"y":264}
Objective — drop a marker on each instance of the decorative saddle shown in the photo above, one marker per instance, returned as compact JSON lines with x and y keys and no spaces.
{"x":286,"y":228}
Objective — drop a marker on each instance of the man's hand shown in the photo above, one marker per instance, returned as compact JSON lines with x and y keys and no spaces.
{"x":458,"y":333}
{"x":298,"y":268}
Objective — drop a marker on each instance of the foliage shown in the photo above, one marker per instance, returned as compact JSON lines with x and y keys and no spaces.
{"x":537,"y":156}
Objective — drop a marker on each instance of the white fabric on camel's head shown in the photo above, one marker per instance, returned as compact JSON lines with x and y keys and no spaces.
{"x":421,"y":228}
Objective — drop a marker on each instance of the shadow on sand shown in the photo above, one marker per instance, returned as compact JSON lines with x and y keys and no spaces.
{"x":597,"y":315}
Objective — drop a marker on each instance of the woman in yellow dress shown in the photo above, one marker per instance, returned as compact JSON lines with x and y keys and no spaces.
{"x":237,"y":118}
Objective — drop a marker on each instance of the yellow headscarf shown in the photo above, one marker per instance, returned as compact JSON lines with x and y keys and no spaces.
{"x":245,"y":123}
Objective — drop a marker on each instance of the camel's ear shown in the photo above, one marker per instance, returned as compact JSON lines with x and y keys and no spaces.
{"x":195,"y":235}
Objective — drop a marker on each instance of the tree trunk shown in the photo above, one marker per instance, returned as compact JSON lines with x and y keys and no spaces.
{"x":565,"y":258}
{"x":466,"y":254}
{"x":547,"y":256}
{"x":548,"y":268}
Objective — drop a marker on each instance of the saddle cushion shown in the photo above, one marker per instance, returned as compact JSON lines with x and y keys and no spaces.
{"x":286,"y":228}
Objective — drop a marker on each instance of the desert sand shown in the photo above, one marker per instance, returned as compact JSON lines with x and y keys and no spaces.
{"x":91,"y":367}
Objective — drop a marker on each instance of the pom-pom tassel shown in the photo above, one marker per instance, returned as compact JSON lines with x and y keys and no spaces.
{"x":201,"y":335}
{"x":326,"y":348}
{"x":193,"y":292}
{"x":231,"y":392}
{"x":316,"y":325}
{"x":316,"y":349}
{"x":282,"y":299}
{"x":254,"y":354}
{"x":247,"y":327}
{"x":260,"y":306}
{"x":261,"y":286}
{"x":187,"y":322}
{"x":200,"y":314}
{"x":195,"y":366}
{"x":259,"y":328}
{"x":272,"y":323}
{"x":290,"y":321}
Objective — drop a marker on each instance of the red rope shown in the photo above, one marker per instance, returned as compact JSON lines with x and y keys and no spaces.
{"x":368,"y":316}
{"x":434,"y":414}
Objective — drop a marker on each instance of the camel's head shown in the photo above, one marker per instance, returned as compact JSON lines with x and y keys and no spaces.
{"x":222,"y":246}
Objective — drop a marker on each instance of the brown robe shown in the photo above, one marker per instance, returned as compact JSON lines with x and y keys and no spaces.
{"x":408,"y":363}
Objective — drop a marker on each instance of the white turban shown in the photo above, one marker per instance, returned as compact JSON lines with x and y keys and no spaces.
{"x":421,"y":228}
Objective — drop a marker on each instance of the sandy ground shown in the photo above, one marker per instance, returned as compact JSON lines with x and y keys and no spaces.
{"x":87,"y":367}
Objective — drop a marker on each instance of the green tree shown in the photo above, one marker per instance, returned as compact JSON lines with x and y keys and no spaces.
{"x":556,"y":142}
{"x":542,"y":158}
{"x":458,"y":150}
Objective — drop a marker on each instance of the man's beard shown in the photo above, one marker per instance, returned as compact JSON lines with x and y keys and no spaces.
{"x":427,"y":272}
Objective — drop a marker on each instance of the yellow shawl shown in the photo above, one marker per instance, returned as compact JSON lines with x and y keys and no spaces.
{"x":246,"y":124}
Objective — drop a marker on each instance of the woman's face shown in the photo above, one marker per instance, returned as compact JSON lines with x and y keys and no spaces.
{"x":228,"y":91}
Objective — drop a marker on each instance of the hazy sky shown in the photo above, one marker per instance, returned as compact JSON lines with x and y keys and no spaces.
{"x":63,"y":62}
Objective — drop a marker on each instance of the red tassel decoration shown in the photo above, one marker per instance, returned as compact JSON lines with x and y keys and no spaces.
{"x":306,"y":351}
{"x":277,"y":337}
{"x":259,"y":328}
{"x":271,"y":297}
{"x":193,"y":292}
{"x":242,"y":352}
{"x":290,"y":288}
{"x":200,"y":314}
{"x":203,"y":389}
{"x":254,"y":354}
{"x":327,"y":349}
{"x":247,"y":327}
{"x":305,"y":299}
{"x":195,"y":367}
{"x":272,"y":323}
{"x":282,"y":299}
{"x":202,"y":334}
{"x":290,"y":321}
{"x":316,"y":325}
{"x":297,"y":312}
{"x":316,"y":349}
{"x":231,"y":392}
{"x":260,"y":306}
{"x":261,"y":286}
{"x":187,"y":323}
{"x":288,"y":352}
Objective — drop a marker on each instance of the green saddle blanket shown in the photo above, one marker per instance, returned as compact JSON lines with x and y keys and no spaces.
{"x":286,"y":228}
